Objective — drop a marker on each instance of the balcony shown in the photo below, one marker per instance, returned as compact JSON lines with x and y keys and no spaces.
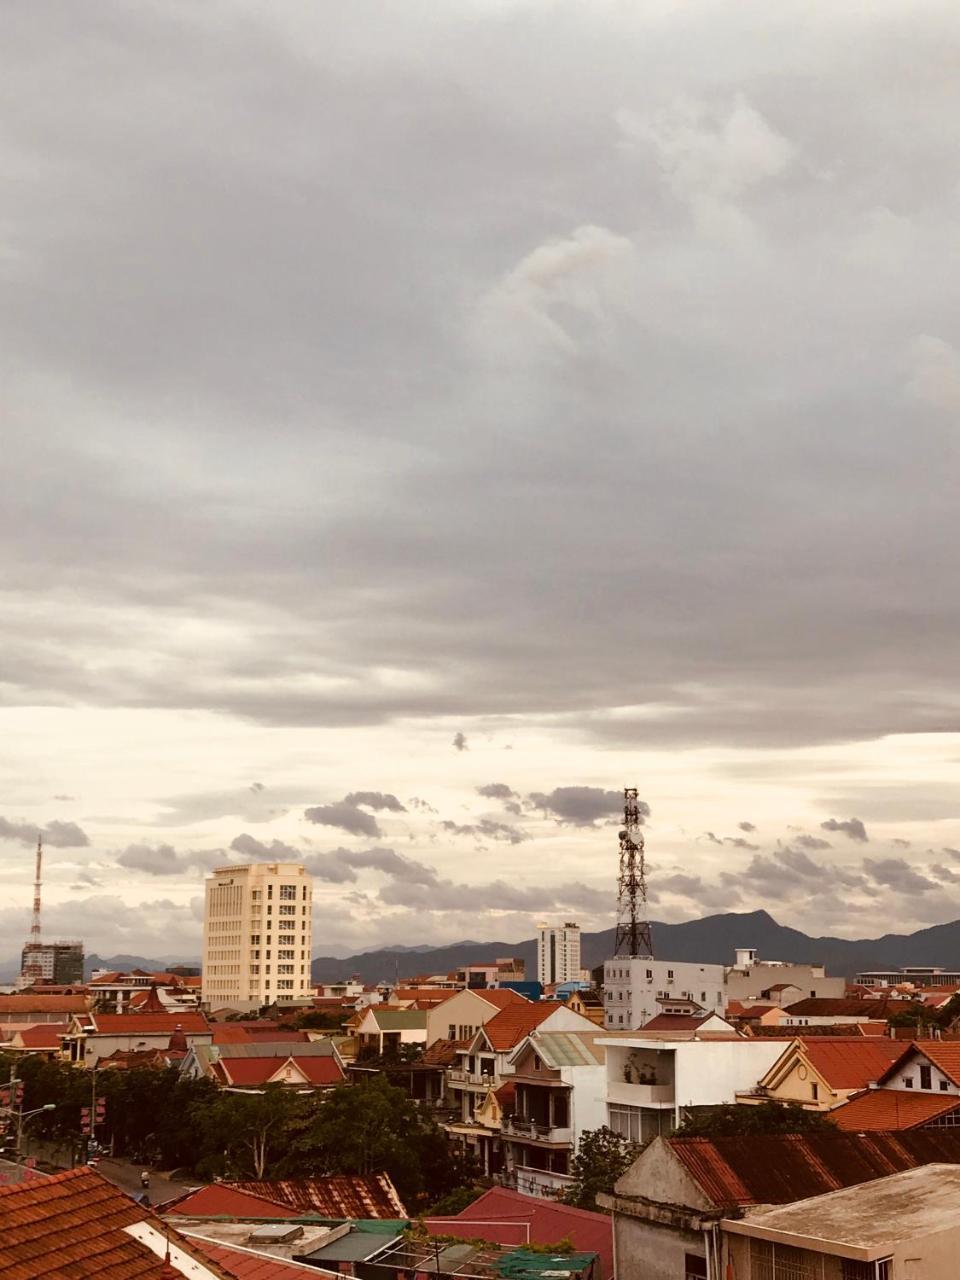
{"x":540,"y":1182}
{"x":476,"y":1079}
{"x":640,"y":1095}
{"x":514,"y":1126}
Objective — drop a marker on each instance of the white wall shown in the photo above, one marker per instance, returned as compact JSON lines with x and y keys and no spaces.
{"x":630,"y":995}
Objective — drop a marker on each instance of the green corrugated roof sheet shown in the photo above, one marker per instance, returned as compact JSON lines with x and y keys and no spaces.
{"x":524,"y":1262}
{"x":401,"y":1019}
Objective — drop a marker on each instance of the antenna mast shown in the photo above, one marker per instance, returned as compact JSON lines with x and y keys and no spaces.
{"x":33,"y":963}
{"x":633,"y":928}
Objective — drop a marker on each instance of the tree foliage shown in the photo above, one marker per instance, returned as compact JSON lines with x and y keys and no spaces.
{"x":733,"y":1120}
{"x":601,"y":1158}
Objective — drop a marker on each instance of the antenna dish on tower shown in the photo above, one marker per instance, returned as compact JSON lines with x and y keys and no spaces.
{"x":633,"y":928}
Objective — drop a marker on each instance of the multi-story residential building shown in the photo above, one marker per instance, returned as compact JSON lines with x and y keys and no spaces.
{"x":483,"y":1064}
{"x":653,"y":1082}
{"x":559,"y":1091}
{"x":638,"y":989}
{"x":558,"y":953}
{"x":751,"y":980}
{"x":257,"y":935}
{"x":913,"y":975}
{"x":59,"y":963}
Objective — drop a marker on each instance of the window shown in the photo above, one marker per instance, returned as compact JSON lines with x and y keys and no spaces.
{"x":269,"y":890}
{"x":285,"y":968}
{"x":908,"y":1082}
{"x":649,"y":975}
{"x":286,"y":955}
{"x":254,"y":939}
{"x":288,"y":893}
{"x":926,"y":1078}
{"x":944,"y":1086}
{"x":451,"y":1032}
{"x":620,"y":1019}
{"x":815,"y":1092}
{"x":694,"y":1267}
{"x":287,"y":910}
{"x":669,"y":975}
{"x":703,"y":997}
{"x":284,"y":985}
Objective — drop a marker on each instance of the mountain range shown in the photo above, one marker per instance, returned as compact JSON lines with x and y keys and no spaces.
{"x":711,"y":940}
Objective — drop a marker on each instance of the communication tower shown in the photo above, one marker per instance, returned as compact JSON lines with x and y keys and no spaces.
{"x":633,"y":928}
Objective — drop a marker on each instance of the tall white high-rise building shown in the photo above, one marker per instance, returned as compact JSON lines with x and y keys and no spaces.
{"x":558,"y":953}
{"x":257,"y":935}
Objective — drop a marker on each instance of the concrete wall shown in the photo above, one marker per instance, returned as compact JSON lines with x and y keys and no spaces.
{"x":748,"y":983}
{"x":630,"y":996}
{"x":645,"y":1251}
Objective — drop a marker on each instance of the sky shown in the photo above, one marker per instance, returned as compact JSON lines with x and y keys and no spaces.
{"x":422,"y":421}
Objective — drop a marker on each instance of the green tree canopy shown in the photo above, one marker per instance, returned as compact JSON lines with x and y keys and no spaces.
{"x":601,"y":1158}
{"x":734,"y":1119}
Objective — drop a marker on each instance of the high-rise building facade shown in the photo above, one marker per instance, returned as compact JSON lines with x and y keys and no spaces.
{"x":558,"y":953}
{"x":56,"y":962}
{"x":257,"y":935}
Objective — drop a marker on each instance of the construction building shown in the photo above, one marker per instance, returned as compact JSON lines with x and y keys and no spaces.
{"x":59,"y":963}
{"x":257,"y":936}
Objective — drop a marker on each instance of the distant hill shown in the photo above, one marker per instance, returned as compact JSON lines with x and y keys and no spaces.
{"x":124,"y":964}
{"x":711,"y":940}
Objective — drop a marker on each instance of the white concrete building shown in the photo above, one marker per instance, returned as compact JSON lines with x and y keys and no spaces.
{"x":635,"y":989}
{"x":651,"y":1082}
{"x":257,"y":935}
{"x":558,"y":953}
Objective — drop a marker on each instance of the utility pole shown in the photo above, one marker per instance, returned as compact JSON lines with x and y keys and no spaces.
{"x":633,"y":927}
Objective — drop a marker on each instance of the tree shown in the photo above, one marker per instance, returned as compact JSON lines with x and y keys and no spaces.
{"x":733,"y":1119}
{"x":455,"y":1202}
{"x":601,"y":1158}
{"x":371,"y":1127}
{"x":248,"y":1135}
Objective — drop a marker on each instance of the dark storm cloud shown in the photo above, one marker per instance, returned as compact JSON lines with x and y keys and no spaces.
{"x":375,"y":800}
{"x":419,"y":311}
{"x":57,"y":835}
{"x":851,"y":827}
{"x":486,"y":829}
{"x":346,"y":816}
{"x":582,"y":806}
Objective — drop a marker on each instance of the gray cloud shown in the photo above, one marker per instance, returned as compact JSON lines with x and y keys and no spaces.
{"x":897,"y":874}
{"x":811,"y":842}
{"x":748,"y":827}
{"x":582,"y":806}
{"x":852,"y":827}
{"x":486,"y":829}
{"x":506,"y":795}
{"x":346,"y":816}
{"x":56,"y":835}
{"x":460,"y":742}
{"x":163,"y":859}
{"x":375,"y":800}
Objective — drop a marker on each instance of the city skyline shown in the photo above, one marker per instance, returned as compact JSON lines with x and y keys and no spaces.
{"x":410,"y":444}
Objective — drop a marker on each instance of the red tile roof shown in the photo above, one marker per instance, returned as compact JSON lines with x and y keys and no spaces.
{"x":850,"y":1063}
{"x":230,"y":1033}
{"x":781,"y":1168}
{"x":891,"y":1109}
{"x":504,"y":1216}
{"x":354,"y":1195}
{"x":507,"y":1028}
{"x":45,"y":1035}
{"x":254,"y":1071}
{"x":840,"y":1007}
{"x":148,"y":1024}
{"x":676,"y":1022}
{"x":247,"y":1264}
{"x":224,"y":1200}
{"x":946,"y":1056}
{"x":71,"y":1226}
{"x":24,"y":1006}
{"x":442,"y":1053}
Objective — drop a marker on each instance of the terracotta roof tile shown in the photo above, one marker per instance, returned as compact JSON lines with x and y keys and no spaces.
{"x":72,"y":1226}
{"x":850,"y":1063}
{"x":507,"y":1028}
{"x":891,"y":1109}
{"x":145,"y":1024}
{"x":45,"y":1035}
{"x":502,"y":997}
{"x":247,"y":1264}
{"x":224,"y":1200}
{"x":11,"y":1006}
{"x":256,"y":1071}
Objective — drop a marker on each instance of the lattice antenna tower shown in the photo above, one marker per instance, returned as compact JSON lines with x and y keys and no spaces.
{"x":633,"y":927}
{"x":35,"y":920}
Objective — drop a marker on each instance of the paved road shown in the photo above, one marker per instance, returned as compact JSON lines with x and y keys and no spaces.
{"x":123,"y":1173}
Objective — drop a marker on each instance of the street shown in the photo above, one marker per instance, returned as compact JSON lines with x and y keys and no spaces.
{"x":122,"y":1173}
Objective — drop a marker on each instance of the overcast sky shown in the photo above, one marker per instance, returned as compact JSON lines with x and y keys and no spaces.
{"x":422,"y":420}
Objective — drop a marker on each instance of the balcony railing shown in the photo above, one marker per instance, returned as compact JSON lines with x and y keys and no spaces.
{"x":457,"y":1075}
{"x":518,"y":1126}
{"x":640,"y":1095}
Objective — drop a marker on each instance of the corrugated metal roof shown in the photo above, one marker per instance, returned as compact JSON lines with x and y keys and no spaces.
{"x":780,"y":1168}
{"x":357,"y":1195}
{"x":276,"y":1049}
{"x":223,"y":1200}
{"x":400,"y":1019}
{"x":569,"y":1048}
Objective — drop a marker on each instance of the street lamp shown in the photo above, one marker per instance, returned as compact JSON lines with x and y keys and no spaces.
{"x":25,"y":1115}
